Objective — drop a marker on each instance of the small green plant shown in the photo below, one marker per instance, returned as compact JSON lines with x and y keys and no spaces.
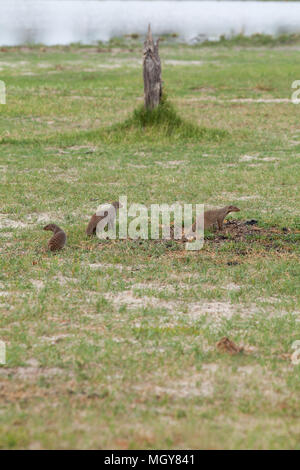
{"x":164,"y":121}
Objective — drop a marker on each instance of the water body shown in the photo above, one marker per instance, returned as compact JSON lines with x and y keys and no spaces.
{"x":87,"y":21}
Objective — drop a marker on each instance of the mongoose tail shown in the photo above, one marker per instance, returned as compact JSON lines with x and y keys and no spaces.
{"x":95,"y":219}
{"x":58,"y":241}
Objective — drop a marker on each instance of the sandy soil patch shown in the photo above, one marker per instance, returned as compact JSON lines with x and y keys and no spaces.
{"x":249,"y":158}
{"x":207,"y":382}
{"x":233,"y":287}
{"x":44,"y":65}
{"x":294,"y":142}
{"x":16,"y":64}
{"x":171,"y":163}
{"x":215,"y":310}
{"x":183,"y":62}
{"x":29,"y":74}
{"x":247,"y":198}
{"x":137,"y":166}
{"x":32,"y":372}
{"x":37,"y":283}
{"x":6,"y":222}
{"x":43,"y":217}
{"x":99,"y":266}
{"x":55,"y":339}
{"x":159,"y":287}
{"x":6,"y":234}
{"x":4,"y":294}
{"x":260,"y":100}
{"x":238,"y":100}
{"x":129,"y":299}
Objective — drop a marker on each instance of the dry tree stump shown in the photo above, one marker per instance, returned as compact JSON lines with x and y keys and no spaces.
{"x":151,"y":72}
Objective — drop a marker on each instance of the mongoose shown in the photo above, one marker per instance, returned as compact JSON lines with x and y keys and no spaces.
{"x":216,"y":217}
{"x":95,"y":219}
{"x":58,"y":240}
{"x":226,"y":345}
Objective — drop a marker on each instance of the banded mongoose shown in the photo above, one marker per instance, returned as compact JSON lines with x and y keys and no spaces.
{"x":95,"y":219}
{"x":59,"y":238}
{"x":226,"y":345}
{"x":216,"y":217}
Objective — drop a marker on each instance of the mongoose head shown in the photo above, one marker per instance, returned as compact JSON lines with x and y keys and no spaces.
{"x":232,"y":209}
{"x":117,"y":204}
{"x":50,"y":227}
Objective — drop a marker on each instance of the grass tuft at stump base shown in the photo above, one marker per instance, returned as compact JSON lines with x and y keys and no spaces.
{"x":163,"y":121}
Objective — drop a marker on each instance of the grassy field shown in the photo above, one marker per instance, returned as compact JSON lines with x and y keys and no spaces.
{"x":113,"y":344}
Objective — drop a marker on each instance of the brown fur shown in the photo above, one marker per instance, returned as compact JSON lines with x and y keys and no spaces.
{"x":216,"y":217}
{"x":226,"y":345}
{"x":59,"y":238}
{"x":95,"y":219}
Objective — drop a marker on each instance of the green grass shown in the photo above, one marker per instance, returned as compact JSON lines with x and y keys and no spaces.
{"x":255,"y":40}
{"x":159,"y":123}
{"x":112,"y":344}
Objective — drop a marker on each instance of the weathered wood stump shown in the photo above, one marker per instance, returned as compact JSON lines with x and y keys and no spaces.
{"x":151,"y":72}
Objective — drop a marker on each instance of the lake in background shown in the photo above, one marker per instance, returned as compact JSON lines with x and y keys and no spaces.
{"x":87,"y":21}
